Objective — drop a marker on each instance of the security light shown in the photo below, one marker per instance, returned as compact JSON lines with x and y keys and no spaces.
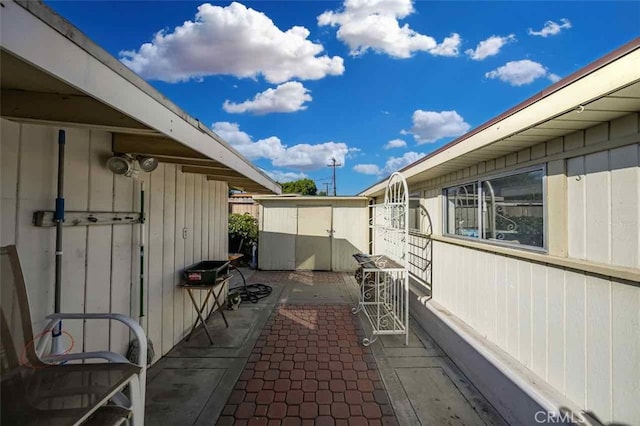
{"x":147,"y":164}
{"x":125,"y":164}
{"x":121,"y":165}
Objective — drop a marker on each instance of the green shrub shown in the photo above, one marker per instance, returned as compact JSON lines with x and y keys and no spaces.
{"x":243,"y":232}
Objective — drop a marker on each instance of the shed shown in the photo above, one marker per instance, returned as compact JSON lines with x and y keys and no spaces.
{"x":311,"y":233}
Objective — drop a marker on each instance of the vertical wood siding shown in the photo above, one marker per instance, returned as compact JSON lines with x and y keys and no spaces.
{"x":101,"y":263}
{"x":579,"y":332}
{"x":604,"y":206}
{"x":238,"y":208}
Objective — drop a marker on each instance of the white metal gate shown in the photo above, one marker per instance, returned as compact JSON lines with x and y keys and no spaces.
{"x":384,"y":283}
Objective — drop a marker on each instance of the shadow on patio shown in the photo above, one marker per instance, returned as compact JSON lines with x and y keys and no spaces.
{"x":296,"y":357}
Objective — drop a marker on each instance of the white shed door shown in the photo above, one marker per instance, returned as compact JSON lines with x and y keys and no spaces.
{"x":313,"y":241}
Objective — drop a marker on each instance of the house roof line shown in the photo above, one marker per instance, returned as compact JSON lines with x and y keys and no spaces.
{"x":69,"y":31}
{"x":572,"y":78}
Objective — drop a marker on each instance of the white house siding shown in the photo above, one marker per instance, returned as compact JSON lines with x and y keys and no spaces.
{"x":578,"y":331}
{"x":604,"y":193}
{"x":101,"y":263}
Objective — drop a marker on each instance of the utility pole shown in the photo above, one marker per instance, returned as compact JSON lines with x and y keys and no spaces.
{"x":326,"y":188}
{"x":334,"y":164}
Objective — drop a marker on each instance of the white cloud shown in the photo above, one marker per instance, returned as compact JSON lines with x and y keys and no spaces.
{"x":448,"y":47}
{"x":430,"y":126}
{"x":551,"y":28}
{"x":373,"y":24}
{"x":231,"y":133}
{"x":367,"y":169}
{"x":554,"y":77}
{"x":393,"y":164}
{"x":233,"y":40}
{"x":282,"y":177}
{"x":299,"y":157}
{"x":311,"y":157}
{"x":519,"y":73}
{"x":287,"y":97}
{"x":489,"y":47}
{"x":395,"y":143}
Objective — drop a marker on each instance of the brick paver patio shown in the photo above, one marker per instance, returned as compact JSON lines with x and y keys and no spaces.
{"x":308,"y":367}
{"x":297,"y":277}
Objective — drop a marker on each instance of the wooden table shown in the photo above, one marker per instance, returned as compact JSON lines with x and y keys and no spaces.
{"x":210,"y":289}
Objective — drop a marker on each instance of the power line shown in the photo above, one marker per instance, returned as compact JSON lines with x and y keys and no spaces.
{"x":334,"y":164}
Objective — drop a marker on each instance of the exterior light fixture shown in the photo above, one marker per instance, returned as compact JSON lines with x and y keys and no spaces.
{"x":125,"y":164}
{"x":122,"y":165}
{"x":147,"y":164}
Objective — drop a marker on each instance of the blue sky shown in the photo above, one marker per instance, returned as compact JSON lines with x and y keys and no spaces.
{"x":374,"y":83}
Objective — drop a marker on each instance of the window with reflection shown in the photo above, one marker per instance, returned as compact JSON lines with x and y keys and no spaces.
{"x":506,"y":209}
{"x":462,"y":210}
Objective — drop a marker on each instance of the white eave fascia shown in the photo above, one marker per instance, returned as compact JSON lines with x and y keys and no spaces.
{"x":610,"y":77}
{"x":53,"y":45}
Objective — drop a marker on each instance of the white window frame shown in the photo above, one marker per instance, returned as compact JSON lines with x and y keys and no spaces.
{"x":478,"y":183}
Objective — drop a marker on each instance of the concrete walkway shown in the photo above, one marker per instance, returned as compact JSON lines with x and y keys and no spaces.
{"x":338,"y":381}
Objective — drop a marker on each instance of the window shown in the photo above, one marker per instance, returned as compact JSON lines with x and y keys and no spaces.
{"x":462,"y":210}
{"x":503,"y":209}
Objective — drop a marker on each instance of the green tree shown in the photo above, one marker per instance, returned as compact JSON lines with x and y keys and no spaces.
{"x":243,"y":231}
{"x":301,"y":186}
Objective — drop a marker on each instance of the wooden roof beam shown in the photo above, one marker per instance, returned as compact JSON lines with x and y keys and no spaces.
{"x":66,"y":110}
{"x":213,"y":171}
{"x":152,"y":145}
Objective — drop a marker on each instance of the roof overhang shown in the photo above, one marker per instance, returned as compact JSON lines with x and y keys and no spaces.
{"x":53,"y":74}
{"x":604,"y":90}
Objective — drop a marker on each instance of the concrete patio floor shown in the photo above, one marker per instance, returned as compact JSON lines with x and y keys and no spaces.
{"x":338,"y":381}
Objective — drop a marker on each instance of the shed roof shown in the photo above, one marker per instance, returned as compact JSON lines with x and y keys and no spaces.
{"x":602,"y":91}
{"x":307,"y":199}
{"x":53,"y":74}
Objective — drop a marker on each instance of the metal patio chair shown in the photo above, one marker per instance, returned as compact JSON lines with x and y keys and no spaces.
{"x":40,"y":390}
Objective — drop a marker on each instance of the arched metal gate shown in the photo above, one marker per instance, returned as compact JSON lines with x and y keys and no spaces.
{"x":384,"y":281}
